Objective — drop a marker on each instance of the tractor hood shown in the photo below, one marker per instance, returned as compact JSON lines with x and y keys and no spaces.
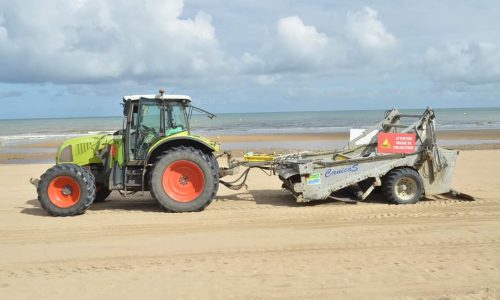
{"x":83,"y":150}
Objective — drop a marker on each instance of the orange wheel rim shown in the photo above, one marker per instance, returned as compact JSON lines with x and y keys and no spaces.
{"x":183,"y":181}
{"x":64,"y":191}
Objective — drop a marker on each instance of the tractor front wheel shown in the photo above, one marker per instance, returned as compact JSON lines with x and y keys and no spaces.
{"x":184,"y":179}
{"x":66,"y":190}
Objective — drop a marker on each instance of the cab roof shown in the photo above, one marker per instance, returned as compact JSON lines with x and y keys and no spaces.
{"x":158,"y":97}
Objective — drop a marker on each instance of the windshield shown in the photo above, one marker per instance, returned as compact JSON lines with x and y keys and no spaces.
{"x":175,"y":118}
{"x":150,"y":114}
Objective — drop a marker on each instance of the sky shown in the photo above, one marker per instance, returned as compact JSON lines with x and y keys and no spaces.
{"x":62,"y":58}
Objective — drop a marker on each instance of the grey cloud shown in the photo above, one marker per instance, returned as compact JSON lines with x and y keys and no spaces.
{"x":368,"y":31}
{"x":93,"y":41}
{"x":10,"y":94}
{"x":300,"y":47}
{"x":472,"y":63}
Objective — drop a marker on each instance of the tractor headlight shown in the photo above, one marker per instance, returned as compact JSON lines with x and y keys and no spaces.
{"x":66,"y":154}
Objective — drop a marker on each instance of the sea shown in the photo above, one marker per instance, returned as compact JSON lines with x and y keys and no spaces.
{"x":21,"y":131}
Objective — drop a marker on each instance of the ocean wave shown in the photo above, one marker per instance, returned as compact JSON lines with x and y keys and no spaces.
{"x":469,"y":125}
{"x":29,"y":137}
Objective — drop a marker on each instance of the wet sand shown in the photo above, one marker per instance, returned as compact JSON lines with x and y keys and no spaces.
{"x":41,"y":152}
{"x":493,"y":134}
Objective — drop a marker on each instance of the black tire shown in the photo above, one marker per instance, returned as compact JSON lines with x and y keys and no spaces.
{"x":101,"y":192}
{"x":403,"y":186}
{"x":205,"y":185}
{"x":215,"y":169}
{"x":66,"y":190}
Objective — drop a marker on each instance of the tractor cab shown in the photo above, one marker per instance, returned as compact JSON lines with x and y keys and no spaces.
{"x":149,"y":118}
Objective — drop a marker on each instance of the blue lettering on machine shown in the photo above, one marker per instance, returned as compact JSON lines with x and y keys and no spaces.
{"x":342,"y":170}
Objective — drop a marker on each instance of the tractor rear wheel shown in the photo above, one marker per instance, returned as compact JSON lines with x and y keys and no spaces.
{"x":184,"y":179}
{"x":403,"y":186}
{"x":66,"y":190}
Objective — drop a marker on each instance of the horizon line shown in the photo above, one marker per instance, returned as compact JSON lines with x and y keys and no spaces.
{"x":263,"y":112}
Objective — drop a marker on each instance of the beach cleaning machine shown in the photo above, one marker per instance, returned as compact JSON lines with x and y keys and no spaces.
{"x":398,"y":157}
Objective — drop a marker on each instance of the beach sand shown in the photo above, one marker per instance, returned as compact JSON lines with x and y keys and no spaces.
{"x":256,"y":243}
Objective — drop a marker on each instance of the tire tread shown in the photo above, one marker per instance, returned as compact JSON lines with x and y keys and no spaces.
{"x":208,"y":157}
{"x":66,"y":169}
{"x":390,"y":179}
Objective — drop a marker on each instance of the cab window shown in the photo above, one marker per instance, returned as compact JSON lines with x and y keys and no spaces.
{"x":148,"y":129}
{"x":175,"y":118}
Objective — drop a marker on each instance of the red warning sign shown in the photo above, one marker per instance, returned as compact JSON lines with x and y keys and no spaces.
{"x":396,"y":142}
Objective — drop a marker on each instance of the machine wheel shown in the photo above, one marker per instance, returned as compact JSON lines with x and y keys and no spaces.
{"x":403,"y":186}
{"x":66,"y":190}
{"x":184,"y":179}
{"x":101,"y":192}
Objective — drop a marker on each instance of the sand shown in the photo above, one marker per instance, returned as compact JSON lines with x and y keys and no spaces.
{"x":256,"y":243}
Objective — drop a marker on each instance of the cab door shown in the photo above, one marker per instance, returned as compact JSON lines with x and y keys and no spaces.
{"x":149,"y":127}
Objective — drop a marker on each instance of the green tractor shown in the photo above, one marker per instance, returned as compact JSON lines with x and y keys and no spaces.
{"x":154,"y":151}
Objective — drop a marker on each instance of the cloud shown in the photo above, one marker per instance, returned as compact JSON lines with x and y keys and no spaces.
{"x":11,"y":94}
{"x":300,"y":45}
{"x":3,"y":30}
{"x":302,"y":48}
{"x":368,"y":31}
{"x":294,"y":47}
{"x":91,"y":41}
{"x":266,"y":79}
{"x":470,"y":63}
